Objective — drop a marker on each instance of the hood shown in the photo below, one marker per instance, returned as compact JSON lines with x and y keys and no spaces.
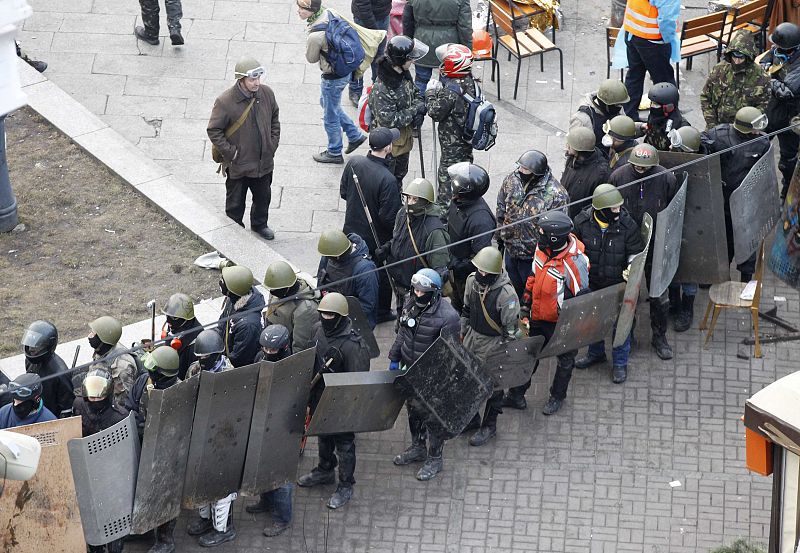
{"x":343,"y":331}
{"x":389,"y":76}
{"x":743,"y":42}
{"x":304,"y":291}
{"x":502,"y":280}
{"x":361,"y":249}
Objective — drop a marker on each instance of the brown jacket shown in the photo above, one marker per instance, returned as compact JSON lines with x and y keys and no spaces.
{"x":249,"y":152}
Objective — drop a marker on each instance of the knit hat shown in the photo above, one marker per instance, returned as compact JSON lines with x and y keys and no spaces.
{"x":311,"y":5}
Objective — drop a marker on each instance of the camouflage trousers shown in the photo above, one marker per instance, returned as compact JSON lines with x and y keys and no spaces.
{"x":150,"y":13}
{"x":451,"y":154}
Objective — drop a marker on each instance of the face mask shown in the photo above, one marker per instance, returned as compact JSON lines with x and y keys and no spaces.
{"x":525,"y":178}
{"x":329,"y":326}
{"x":607,"y":216}
{"x":640,"y":170}
{"x":277,"y":356}
{"x":424,"y":299}
{"x":607,"y":140}
{"x":485,"y":280}
{"x":95,"y":342}
{"x":26,"y":408}
{"x":175,"y":324}
{"x":417,"y":208}
{"x":98,"y":406}
{"x":207,"y":362}
{"x":161,"y":381}
{"x":280,"y":292}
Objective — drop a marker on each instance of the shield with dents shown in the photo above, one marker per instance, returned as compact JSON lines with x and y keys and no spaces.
{"x":633,"y":286}
{"x":449,"y":383}
{"x":704,"y":251}
{"x":511,"y":364}
{"x":276,"y":430}
{"x":755,"y":207}
{"x":584,"y":319}
{"x":357,"y":402}
{"x":41,"y":514}
{"x":361,"y":324}
{"x":667,"y":242}
{"x":165,"y":451}
{"x":784,"y":255}
{"x":220,"y":431}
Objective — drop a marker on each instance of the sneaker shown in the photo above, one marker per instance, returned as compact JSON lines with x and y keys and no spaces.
{"x":619,"y":374}
{"x":483,"y":435}
{"x":515,"y":402}
{"x":325,"y":157}
{"x":215,"y":537}
{"x":662,"y":348}
{"x":413,"y":454}
{"x":199,"y":526}
{"x":353,"y":146}
{"x":316,"y":477}
{"x":340,"y":497}
{"x":552,"y":406}
{"x":588,"y":360}
{"x":265,"y":232}
{"x":141,"y":34}
{"x":275,"y":529}
{"x":176,"y":37}
{"x":432,"y":467}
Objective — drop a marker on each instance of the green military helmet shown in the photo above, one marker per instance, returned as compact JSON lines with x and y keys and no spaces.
{"x":644,"y":155}
{"x":581,"y":139}
{"x":489,"y":260}
{"x":164,"y":358}
{"x":750,"y":119}
{"x":605,"y":196}
{"x":690,"y":139}
{"x":420,"y":188}
{"x":238,"y":279}
{"x":333,"y":243}
{"x":612,"y":92}
{"x":279,"y":275}
{"x":334,"y":302}
{"x":620,"y":127}
{"x":247,"y":67}
{"x":108,"y":329}
{"x":179,"y":306}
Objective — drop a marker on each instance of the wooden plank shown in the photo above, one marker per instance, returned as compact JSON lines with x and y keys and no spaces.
{"x":528,"y":43}
{"x":508,"y":42}
{"x":543,"y":42}
{"x":500,"y":17}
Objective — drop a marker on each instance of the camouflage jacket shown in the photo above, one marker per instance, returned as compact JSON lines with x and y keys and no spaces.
{"x":516,"y":202}
{"x":731,"y":87}
{"x":449,"y":109}
{"x":394,"y":101}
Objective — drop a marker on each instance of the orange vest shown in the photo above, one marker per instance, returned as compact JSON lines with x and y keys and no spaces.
{"x":641,"y":19}
{"x":546,"y":288}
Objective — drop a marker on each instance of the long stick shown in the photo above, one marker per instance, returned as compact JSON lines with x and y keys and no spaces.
{"x":435,"y":161}
{"x":75,"y":358}
{"x":421,"y":159}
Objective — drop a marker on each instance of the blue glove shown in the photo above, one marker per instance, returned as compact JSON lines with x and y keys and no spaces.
{"x":394,"y":365}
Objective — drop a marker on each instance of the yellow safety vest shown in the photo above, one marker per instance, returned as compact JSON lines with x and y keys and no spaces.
{"x":641,"y":19}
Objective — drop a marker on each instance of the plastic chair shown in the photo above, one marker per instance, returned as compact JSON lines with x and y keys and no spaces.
{"x":483,"y":50}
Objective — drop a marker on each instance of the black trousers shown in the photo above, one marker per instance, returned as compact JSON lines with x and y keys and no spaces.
{"x":564,"y":363}
{"x":645,"y":57}
{"x":339,"y":449}
{"x":420,"y":431}
{"x":400,"y":169}
{"x":236,"y":196}
{"x":788,"y":143}
{"x":150,"y":15}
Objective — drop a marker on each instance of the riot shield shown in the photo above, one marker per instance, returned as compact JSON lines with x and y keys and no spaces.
{"x":584,"y":319}
{"x":279,"y":414}
{"x":357,"y":402}
{"x":704,"y":253}
{"x":41,"y":514}
{"x":511,"y":364}
{"x":165,"y":450}
{"x":220,"y":431}
{"x":633,"y":286}
{"x":667,"y":242}
{"x":755,"y":207}
{"x":450,"y":384}
{"x":361,"y":324}
{"x":784,"y":255}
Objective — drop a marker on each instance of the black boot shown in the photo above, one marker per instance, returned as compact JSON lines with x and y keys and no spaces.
{"x":674,"y":300}
{"x":343,"y":494}
{"x":317,"y":477}
{"x":658,"y":327}
{"x":683,"y":321}
{"x":199,"y":526}
{"x":165,"y":540}
{"x":215,"y":537}
{"x":142,"y":34}
{"x":175,"y":36}
{"x":515,"y":400}
{"x":483,"y":435}
{"x":552,"y":406}
{"x":619,"y":374}
{"x":434,"y":462}
{"x":414,"y":453}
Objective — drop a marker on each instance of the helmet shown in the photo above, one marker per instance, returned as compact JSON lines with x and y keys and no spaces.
{"x":470,"y":181}
{"x":208,"y":342}
{"x":613,"y":93}
{"x":334,"y":302}
{"x":164,"y":358}
{"x":40,"y":340}
{"x":534,"y":161}
{"x":685,"y":139}
{"x":749,"y":119}
{"x":644,"y":155}
{"x":786,"y":36}
{"x":402,"y":49}
{"x":238,"y":279}
{"x":108,"y":329}
{"x":489,"y":260}
{"x":554,"y":229}
{"x":481,"y":43}
{"x":581,"y":139}
{"x":97,"y":383}
{"x":605,"y":196}
{"x":333,"y":243}
{"x":27,"y":386}
{"x":420,"y":188}
{"x":248,"y":67}
{"x":279,"y":275}
{"x":456,"y":60}
{"x":274,"y":337}
{"x":665,"y":95}
{"x":621,"y":127}
{"x":179,"y":306}
{"x":426,"y":280}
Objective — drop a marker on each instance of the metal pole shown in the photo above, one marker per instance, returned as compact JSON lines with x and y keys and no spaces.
{"x":8,"y":204}
{"x":421,"y":158}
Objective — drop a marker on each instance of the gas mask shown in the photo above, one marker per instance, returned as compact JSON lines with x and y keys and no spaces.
{"x":607,"y":140}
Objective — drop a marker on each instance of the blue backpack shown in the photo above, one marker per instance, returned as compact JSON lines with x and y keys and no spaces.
{"x":345,"y":52}
{"x":480,"y":124}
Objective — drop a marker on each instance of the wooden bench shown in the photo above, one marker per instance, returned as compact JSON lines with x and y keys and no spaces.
{"x":753,"y":17}
{"x":700,"y":35}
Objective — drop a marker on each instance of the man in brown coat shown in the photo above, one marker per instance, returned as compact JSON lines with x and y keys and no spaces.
{"x":247,"y":154}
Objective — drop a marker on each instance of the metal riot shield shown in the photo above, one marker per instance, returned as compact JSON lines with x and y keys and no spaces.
{"x":165,"y":451}
{"x":361,"y":324}
{"x":357,"y":402}
{"x":279,"y":414}
{"x":450,"y":384}
{"x":584,"y":319}
{"x":511,"y":364}
{"x":633,"y":286}
{"x":667,"y":242}
{"x":704,"y":252}
{"x":220,"y":431}
{"x":755,"y":207}
{"x":41,"y":514}
{"x":784,"y":255}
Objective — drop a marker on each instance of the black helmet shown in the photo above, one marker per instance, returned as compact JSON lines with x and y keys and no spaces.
{"x":40,"y":340}
{"x":786,"y":36}
{"x":534,"y":161}
{"x":664,"y":94}
{"x":554,"y":229}
{"x":208,"y":342}
{"x":27,"y":386}
{"x":470,"y":181}
{"x":402,"y":49}
{"x":275,"y":341}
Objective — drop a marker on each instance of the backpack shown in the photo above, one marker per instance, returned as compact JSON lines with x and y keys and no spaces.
{"x":364,"y":113}
{"x":345,"y":52}
{"x":480,"y":125}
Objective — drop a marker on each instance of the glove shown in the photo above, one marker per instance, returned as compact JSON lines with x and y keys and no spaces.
{"x":394,"y":365}
{"x":780,"y":90}
{"x":626,"y":273}
{"x":433,"y":85}
{"x":501,"y":246}
{"x":382,"y":252}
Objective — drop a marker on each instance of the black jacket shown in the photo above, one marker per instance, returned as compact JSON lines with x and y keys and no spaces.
{"x":411,"y":342}
{"x":368,"y":12}
{"x":57,"y":393}
{"x":93,"y":422}
{"x":243,"y":330}
{"x":737,"y":163}
{"x":138,"y":400}
{"x":186,"y":352}
{"x":650,"y":196}
{"x":463,"y":222}
{"x":609,"y":252}
{"x":381,"y":193}
{"x":344,"y":352}
{"x":581,"y":176}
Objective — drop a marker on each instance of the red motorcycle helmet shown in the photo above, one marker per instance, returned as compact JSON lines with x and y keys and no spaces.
{"x":456,"y":60}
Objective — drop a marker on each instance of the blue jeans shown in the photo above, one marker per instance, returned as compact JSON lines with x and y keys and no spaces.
{"x":421,"y":77}
{"x":279,"y":502}
{"x":357,"y":85}
{"x":518,"y":270}
{"x":619,"y":355}
{"x":334,"y":119}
